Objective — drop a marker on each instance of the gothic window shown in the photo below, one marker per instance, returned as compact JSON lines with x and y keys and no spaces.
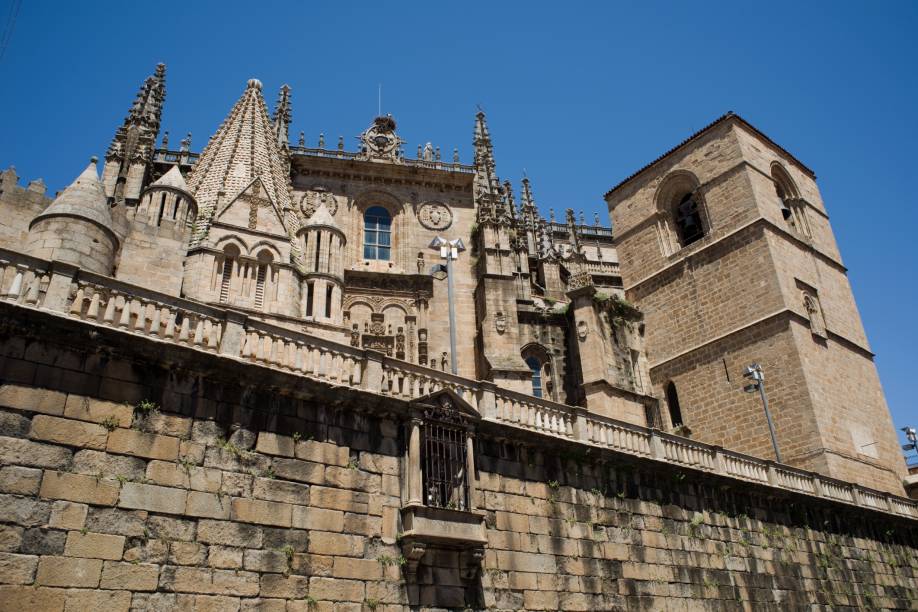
{"x":672,"y":402}
{"x":536,"y":366}
{"x":688,"y":220}
{"x":377,"y":234}
{"x":792,"y":206}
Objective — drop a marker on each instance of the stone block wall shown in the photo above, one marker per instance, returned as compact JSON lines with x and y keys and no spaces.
{"x":121,"y":507}
{"x":138,"y":477}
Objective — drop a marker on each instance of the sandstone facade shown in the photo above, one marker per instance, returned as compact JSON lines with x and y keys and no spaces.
{"x":227,"y":382}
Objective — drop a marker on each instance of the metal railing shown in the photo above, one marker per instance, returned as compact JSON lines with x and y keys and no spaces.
{"x":98,"y":300}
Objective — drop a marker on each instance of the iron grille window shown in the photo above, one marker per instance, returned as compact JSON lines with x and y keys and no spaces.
{"x":445,"y":466}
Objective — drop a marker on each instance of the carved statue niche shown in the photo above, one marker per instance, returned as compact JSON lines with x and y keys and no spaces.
{"x":422,"y":346}
{"x":400,"y":343}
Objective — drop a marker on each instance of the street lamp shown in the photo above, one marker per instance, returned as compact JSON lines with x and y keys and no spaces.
{"x":755,"y":373}
{"x":449,"y":250}
{"x":912,"y":436}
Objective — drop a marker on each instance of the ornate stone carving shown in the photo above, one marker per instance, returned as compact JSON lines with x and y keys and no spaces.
{"x":500,"y":322}
{"x":380,"y":140}
{"x":435,"y":216}
{"x":315,"y":196}
{"x":582,"y":330}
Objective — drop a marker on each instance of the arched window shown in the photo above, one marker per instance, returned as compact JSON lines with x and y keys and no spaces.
{"x":672,"y":401}
{"x":536,"y":366}
{"x":791,"y":204}
{"x":377,"y":234}
{"x":230,"y":254}
{"x":264,"y":266}
{"x":688,"y":220}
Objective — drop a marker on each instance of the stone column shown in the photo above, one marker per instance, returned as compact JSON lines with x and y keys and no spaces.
{"x":470,"y":469}
{"x":233,"y":337}
{"x":57,"y":296}
{"x":414,"y":462}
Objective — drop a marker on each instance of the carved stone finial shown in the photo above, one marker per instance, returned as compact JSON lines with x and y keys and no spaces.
{"x":254,"y":83}
{"x":321,"y":140}
{"x":596,"y":219}
{"x":185,"y":144}
{"x":93,"y":159}
{"x":166,"y":139}
{"x":302,"y":140}
{"x":455,"y":156}
{"x":340,"y":143}
{"x":551,"y":215}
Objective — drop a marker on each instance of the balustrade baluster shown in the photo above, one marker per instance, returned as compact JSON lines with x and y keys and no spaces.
{"x":155,"y":321}
{"x":15,"y":287}
{"x":170,"y":326}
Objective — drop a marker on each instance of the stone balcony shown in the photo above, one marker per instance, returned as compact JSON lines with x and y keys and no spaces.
{"x":85,"y":298}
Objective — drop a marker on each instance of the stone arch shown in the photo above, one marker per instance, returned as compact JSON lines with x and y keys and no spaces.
{"x":785,"y":186}
{"x":235,"y":240}
{"x":681,"y":212}
{"x":542,"y":364}
{"x":268,"y":246}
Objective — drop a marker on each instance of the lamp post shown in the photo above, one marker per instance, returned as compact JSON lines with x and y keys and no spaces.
{"x":449,"y":250}
{"x":912,"y":436}
{"x":755,"y":373}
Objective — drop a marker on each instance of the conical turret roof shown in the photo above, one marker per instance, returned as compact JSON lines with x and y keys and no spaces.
{"x":173,"y":178}
{"x":244,"y":147}
{"x":83,"y":199}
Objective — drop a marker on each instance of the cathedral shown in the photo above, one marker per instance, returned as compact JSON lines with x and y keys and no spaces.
{"x":722,"y":256}
{"x":461,"y":347}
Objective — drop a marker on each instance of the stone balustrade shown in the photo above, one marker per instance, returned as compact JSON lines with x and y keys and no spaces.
{"x":65,"y":290}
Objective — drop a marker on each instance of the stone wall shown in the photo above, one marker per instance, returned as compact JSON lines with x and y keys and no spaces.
{"x":135,"y":476}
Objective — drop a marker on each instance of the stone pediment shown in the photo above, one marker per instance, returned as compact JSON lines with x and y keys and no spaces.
{"x":446,"y":405}
{"x":253,"y":209}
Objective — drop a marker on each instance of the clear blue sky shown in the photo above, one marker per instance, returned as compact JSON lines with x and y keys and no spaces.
{"x":579,"y":95}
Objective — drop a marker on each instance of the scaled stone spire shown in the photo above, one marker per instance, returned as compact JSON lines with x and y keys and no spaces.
{"x":131,"y":150}
{"x":244,"y":147}
{"x":282,"y":116}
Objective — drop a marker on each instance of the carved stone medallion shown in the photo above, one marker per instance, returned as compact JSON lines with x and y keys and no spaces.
{"x":315,"y":196}
{"x":435,"y":216}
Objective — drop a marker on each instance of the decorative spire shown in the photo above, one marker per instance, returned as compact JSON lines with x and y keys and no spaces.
{"x":243,"y":148}
{"x":572,"y":228}
{"x":132,"y":147}
{"x":487,"y":185}
{"x":282,"y":116}
{"x":508,"y":195}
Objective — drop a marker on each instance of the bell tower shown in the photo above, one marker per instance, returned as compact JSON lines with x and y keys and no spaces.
{"x":726,"y":247}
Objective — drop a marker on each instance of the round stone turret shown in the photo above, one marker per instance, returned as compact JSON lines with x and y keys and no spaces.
{"x":322,"y":244}
{"x":77,"y":226}
{"x":168,"y":203}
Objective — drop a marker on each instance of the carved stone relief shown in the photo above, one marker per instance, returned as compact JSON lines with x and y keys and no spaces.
{"x":435,"y":216}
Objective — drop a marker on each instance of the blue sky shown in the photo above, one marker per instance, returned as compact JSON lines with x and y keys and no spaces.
{"x":578,"y":95}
